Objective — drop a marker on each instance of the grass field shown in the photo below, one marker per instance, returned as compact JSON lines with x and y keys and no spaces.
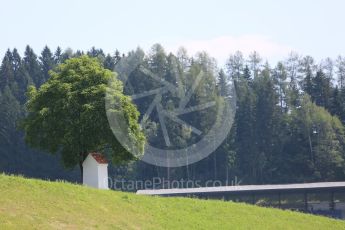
{"x":37,"y":204}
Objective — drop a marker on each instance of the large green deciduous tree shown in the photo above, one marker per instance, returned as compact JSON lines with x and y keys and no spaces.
{"x":67,"y":114}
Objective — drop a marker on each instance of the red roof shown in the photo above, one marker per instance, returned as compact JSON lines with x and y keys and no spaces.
{"x":100,"y":158}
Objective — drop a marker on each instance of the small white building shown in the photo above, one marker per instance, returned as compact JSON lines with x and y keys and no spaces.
{"x":95,"y":171}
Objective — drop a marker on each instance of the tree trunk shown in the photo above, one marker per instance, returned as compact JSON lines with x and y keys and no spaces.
{"x":81,"y":171}
{"x":311,"y":149}
{"x":82,"y":157}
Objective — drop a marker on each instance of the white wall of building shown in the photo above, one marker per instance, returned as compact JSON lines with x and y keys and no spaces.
{"x":103,"y":176}
{"x":94,"y":174}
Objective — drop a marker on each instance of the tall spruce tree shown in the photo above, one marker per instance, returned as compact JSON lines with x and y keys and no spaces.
{"x":32,"y":66}
{"x":47,"y":62}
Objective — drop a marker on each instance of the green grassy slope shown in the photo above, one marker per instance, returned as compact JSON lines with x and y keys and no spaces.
{"x":36,"y":204}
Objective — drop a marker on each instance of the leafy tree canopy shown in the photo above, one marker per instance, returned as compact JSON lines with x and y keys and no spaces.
{"x":67,"y":114}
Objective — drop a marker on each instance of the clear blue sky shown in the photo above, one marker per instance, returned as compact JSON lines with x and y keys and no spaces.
{"x":272,"y":27}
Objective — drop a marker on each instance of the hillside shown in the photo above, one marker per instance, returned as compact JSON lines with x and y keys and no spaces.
{"x":30,"y":204}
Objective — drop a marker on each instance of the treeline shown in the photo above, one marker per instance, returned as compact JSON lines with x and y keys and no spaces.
{"x":288,"y":125}
{"x":16,"y":74}
{"x":289,"y":118}
{"x":289,"y":122}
